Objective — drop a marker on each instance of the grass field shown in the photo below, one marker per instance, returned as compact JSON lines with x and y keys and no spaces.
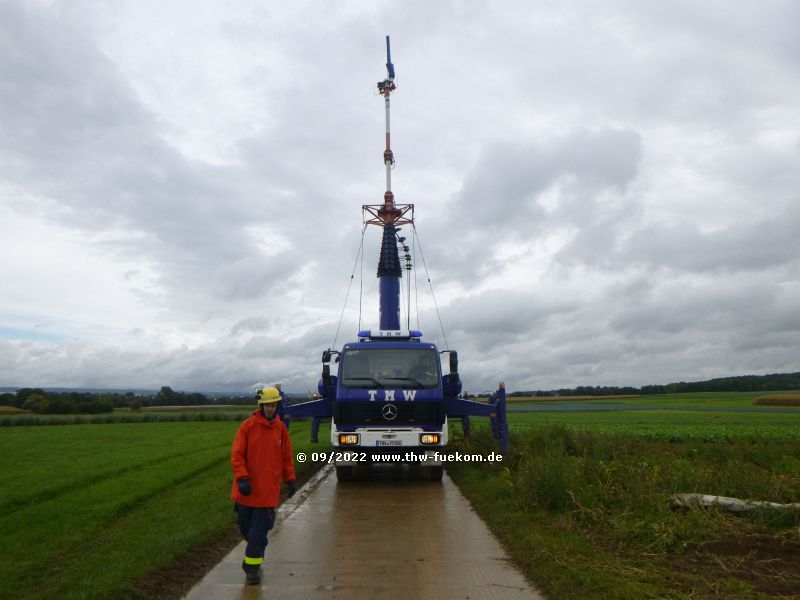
{"x":86,"y":510}
{"x":582,"y":498}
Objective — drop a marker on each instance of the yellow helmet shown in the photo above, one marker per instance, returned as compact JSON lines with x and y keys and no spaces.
{"x":268,"y":395}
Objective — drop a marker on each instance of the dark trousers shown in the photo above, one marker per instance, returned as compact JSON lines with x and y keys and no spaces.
{"x":255,"y":524}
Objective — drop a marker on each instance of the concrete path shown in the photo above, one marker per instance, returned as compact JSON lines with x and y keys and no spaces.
{"x":386,"y":536}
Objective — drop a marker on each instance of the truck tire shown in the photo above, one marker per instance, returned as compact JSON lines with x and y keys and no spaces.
{"x":344,"y":473}
{"x":435,"y":473}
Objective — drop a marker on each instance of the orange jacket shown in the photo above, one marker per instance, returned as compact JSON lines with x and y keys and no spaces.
{"x":262,"y":452}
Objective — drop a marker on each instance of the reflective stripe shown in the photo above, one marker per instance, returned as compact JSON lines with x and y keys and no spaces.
{"x":253,"y":561}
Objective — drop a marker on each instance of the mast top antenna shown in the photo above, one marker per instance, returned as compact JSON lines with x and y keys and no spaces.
{"x":387,"y":86}
{"x":389,"y":65}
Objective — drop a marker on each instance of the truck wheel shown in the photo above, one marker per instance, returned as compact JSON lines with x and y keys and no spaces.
{"x":435,"y":473}
{"x":344,"y":473}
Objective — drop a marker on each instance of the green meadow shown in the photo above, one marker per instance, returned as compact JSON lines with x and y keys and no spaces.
{"x":86,"y":511}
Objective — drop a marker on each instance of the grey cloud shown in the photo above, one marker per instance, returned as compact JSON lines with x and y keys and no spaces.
{"x":678,"y":306}
{"x":215,"y":366}
{"x":253,"y":324}
{"x":767,"y":243}
{"x":504,"y":188}
{"x":498,"y":317}
{"x":76,"y":133}
{"x":641,"y":92}
{"x":651,"y":331}
{"x":503,"y":196}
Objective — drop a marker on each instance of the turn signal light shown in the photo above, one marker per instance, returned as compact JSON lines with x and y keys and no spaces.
{"x":429,"y":438}
{"x":348,"y":439}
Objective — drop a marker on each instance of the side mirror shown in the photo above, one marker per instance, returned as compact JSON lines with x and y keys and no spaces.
{"x":453,"y":361}
{"x":326,"y":356}
{"x":326,"y":375}
{"x":453,"y":366}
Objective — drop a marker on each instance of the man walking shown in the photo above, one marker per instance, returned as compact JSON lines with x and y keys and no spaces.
{"x":261,"y":454}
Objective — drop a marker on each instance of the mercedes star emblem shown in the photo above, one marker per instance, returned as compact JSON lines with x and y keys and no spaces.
{"x":389,"y":412}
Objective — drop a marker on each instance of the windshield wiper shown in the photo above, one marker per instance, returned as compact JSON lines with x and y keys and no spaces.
{"x":370,"y":379}
{"x":411,"y":379}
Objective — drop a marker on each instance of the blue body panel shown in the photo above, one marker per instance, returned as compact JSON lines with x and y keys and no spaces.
{"x":389,"y":287}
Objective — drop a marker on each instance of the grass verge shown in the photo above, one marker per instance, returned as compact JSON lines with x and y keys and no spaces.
{"x":587,"y":515}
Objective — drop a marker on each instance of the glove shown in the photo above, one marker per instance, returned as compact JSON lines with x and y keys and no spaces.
{"x":244,"y":486}
{"x":291,"y":486}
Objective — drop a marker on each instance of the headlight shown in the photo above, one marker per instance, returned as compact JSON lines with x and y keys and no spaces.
{"x":429,"y":439}
{"x":348,"y":439}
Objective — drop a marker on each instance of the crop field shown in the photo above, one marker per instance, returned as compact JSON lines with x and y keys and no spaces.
{"x":778,"y":400}
{"x":582,"y":499}
{"x":87,"y":510}
{"x":706,"y":416}
{"x":696,"y":400}
{"x":14,"y":416}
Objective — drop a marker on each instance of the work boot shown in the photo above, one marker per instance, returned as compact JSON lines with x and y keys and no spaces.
{"x":252,"y":573}
{"x":253,"y":577}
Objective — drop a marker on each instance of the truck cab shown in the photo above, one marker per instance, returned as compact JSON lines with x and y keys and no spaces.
{"x":390,"y":402}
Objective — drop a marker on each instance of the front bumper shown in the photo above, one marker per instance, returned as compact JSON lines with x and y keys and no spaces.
{"x":386,"y":446}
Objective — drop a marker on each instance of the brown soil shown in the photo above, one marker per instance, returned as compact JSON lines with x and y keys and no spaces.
{"x":769,"y":564}
{"x":178,"y":577}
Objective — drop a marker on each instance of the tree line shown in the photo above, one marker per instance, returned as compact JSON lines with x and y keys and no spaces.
{"x":41,"y":401}
{"x":61,"y":403}
{"x":775,"y":382}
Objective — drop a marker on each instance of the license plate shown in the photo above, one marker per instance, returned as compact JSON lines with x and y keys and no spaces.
{"x":387,"y":443}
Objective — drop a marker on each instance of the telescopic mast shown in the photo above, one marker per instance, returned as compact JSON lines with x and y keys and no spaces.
{"x":389,"y":216}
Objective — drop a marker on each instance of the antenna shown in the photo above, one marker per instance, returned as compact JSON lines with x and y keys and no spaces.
{"x":389,"y":65}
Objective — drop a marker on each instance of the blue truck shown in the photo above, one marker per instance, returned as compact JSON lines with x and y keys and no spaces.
{"x":390,"y":400}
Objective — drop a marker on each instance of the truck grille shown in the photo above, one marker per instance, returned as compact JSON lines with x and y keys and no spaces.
{"x":358,"y":413}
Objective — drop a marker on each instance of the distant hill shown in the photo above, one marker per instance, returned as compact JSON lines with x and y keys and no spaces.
{"x":775,"y":382}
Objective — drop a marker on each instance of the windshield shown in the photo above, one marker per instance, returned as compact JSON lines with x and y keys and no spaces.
{"x":390,"y":367}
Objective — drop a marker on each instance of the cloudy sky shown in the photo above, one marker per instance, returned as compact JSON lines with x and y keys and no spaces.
{"x":606,"y":193}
